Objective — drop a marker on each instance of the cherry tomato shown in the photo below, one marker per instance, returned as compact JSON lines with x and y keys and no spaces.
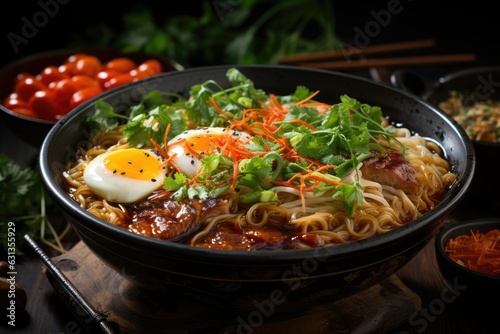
{"x":67,"y":68}
{"x":138,"y":75}
{"x":151,"y":66}
{"x":83,"y":81}
{"x":105,"y":75}
{"x":83,"y":95}
{"x":119,"y":80}
{"x":44,"y":106}
{"x":27,"y":85}
{"x":13,"y":101}
{"x":23,"y":76}
{"x":121,"y":64}
{"x":51,"y":74}
{"x":63,"y":90}
{"x":89,"y":65}
{"x":12,"y":96}
{"x":27,"y":111}
{"x":75,"y":57}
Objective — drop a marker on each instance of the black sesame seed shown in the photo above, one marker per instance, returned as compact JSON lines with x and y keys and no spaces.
{"x":122,"y":173}
{"x":154,"y":180}
{"x":192,"y":162}
{"x":141,"y":170}
{"x":114,"y":172}
{"x":129,"y":162}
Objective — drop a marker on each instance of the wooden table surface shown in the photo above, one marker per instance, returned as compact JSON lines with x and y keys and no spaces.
{"x":440,"y":312}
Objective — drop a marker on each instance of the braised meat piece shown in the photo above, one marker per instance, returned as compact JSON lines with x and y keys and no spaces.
{"x":233,"y":237}
{"x":164,"y":218}
{"x":392,"y":169}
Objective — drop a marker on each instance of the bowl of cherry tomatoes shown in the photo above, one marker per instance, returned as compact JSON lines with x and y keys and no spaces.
{"x":38,"y":90}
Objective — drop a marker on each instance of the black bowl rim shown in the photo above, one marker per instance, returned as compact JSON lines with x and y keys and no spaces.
{"x":452,"y":229}
{"x":159,"y":246}
{"x":460,"y":74}
{"x":26,"y":118}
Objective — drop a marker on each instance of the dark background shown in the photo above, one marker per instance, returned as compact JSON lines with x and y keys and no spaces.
{"x":457,"y":28}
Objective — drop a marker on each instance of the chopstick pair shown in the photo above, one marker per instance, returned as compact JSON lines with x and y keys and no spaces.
{"x":92,"y":320}
{"x":341,"y":59}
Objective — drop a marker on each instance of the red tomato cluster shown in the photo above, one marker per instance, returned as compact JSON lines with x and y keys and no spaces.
{"x":53,"y":92}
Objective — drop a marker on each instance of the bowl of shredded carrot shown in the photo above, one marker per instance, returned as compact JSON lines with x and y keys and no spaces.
{"x":468,"y":255}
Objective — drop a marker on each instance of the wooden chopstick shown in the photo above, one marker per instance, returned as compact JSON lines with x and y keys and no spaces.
{"x":390,"y":62}
{"x":353,"y":51}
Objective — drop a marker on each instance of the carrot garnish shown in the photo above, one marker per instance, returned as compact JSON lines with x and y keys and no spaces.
{"x":158,"y":147}
{"x":477,"y":251}
{"x":307,"y":98}
{"x":301,"y":122}
{"x":219,"y":110}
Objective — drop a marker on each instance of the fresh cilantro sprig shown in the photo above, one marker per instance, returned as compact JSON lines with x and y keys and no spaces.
{"x":24,"y":207}
{"x":233,"y":100}
{"x":143,"y":121}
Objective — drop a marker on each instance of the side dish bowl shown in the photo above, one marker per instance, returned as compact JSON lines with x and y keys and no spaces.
{"x":470,"y":285}
{"x":245,"y":281}
{"x":478,"y":84}
{"x":33,"y":130}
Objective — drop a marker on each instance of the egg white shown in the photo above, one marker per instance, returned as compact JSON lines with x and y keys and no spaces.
{"x":186,"y":161}
{"x":115,"y":187}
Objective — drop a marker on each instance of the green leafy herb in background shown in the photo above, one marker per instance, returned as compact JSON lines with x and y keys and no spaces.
{"x":223,"y":32}
{"x":24,"y":203}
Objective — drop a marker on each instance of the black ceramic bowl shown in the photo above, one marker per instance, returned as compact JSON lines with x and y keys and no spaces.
{"x":32,"y":130}
{"x":469,"y":285}
{"x":479,"y":84}
{"x":291,"y":280}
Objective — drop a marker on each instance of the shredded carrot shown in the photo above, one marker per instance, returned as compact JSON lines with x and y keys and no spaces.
{"x":308,"y":98}
{"x":219,"y":110}
{"x":477,"y":251}
{"x":321,"y":106}
{"x":299,"y":121}
{"x":165,"y":136}
{"x":163,"y":151}
{"x":158,"y":148}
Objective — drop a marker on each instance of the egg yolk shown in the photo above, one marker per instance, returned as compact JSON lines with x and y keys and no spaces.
{"x":133,"y":163}
{"x":190,"y":147}
{"x":205,"y":144}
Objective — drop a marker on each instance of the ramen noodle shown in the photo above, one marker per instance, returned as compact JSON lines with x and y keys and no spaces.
{"x":243,"y":169}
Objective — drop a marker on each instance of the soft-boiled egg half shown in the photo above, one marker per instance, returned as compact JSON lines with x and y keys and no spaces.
{"x":124,"y":175}
{"x":190,"y":146}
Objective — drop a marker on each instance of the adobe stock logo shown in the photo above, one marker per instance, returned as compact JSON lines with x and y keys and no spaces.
{"x":30,"y":25}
